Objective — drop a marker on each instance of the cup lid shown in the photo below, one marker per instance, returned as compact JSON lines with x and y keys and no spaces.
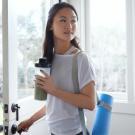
{"x":43,"y":63}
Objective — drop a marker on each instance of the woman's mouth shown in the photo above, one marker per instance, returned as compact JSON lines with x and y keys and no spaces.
{"x":68,"y":33}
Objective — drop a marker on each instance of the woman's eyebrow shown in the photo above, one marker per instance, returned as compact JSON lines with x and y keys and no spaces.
{"x":64,"y":17}
{"x":74,"y":17}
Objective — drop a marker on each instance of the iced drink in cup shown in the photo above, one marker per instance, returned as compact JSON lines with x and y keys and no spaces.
{"x":45,"y":67}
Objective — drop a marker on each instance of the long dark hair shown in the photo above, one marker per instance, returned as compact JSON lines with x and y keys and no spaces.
{"x":48,"y":44}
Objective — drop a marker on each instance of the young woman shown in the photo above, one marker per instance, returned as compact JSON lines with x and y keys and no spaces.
{"x":60,"y":46}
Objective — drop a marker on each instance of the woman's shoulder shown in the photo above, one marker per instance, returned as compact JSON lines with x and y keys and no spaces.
{"x":84,"y":58}
{"x":82,"y":55}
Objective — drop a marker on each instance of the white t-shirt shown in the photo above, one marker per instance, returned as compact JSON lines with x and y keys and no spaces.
{"x":62,"y":117}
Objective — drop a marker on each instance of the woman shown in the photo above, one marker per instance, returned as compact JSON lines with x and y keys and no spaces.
{"x":60,"y":46}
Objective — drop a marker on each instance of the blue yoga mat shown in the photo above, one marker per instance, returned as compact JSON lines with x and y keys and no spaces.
{"x":103,"y":115}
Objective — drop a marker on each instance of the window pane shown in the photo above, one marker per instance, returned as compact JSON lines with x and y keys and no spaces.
{"x":108,"y":44}
{"x":31,"y":18}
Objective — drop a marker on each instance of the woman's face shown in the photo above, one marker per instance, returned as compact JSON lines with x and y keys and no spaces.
{"x":64,"y":25}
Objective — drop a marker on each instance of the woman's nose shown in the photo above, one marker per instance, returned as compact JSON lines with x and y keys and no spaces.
{"x":68,"y":26}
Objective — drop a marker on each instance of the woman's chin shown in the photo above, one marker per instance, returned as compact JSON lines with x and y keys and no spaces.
{"x":68,"y":38}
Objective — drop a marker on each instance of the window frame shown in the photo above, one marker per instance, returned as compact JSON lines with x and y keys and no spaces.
{"x":131,"y":49}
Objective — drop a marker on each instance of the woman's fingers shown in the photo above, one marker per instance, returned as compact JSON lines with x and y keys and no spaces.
{"x":39,"y":77}
{"x":40,"y":81}
{"x":22,"y":128}
{"x":46,"y":75}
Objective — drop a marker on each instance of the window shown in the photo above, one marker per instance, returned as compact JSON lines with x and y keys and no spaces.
{"x":31,"y":20}
{"x":108,"y":46}
{"x":108,"y":30}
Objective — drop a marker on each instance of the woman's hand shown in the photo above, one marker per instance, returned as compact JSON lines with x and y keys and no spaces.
{"x":46,"y":83}
{"x":25,"y":125}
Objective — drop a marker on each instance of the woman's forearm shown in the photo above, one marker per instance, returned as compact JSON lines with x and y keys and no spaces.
{"x":79,"y":100}
{"x":39,"y":114}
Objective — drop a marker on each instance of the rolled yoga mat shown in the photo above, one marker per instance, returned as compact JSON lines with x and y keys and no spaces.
{"x":103,"y":115}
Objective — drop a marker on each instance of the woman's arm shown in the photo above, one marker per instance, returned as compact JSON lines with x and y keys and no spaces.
{"x":39,"y":114}
{"x":86,"y":99}
{"x":25,"y":125}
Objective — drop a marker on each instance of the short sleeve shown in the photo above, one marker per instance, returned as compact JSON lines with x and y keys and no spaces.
{"x":86,"y":71}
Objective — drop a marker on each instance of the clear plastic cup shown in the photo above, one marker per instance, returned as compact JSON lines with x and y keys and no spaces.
{"x":45,"y":67}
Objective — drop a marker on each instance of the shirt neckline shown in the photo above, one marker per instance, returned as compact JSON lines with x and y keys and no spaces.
{"x":68,"y":52}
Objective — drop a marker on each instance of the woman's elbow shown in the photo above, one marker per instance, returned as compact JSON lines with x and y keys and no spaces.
{"x":91,"y":106}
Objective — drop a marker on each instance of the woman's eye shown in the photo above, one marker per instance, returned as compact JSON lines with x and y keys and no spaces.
{"x":73,"y":21}
{"x":63,"y":20}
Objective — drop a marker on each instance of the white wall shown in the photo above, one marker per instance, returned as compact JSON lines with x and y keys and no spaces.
{"x":122,"y":124}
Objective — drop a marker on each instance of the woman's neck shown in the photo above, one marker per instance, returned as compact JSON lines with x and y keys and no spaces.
{"x":61,"y":48}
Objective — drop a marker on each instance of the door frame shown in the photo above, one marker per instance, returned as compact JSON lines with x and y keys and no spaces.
{"x":9,"y":62}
